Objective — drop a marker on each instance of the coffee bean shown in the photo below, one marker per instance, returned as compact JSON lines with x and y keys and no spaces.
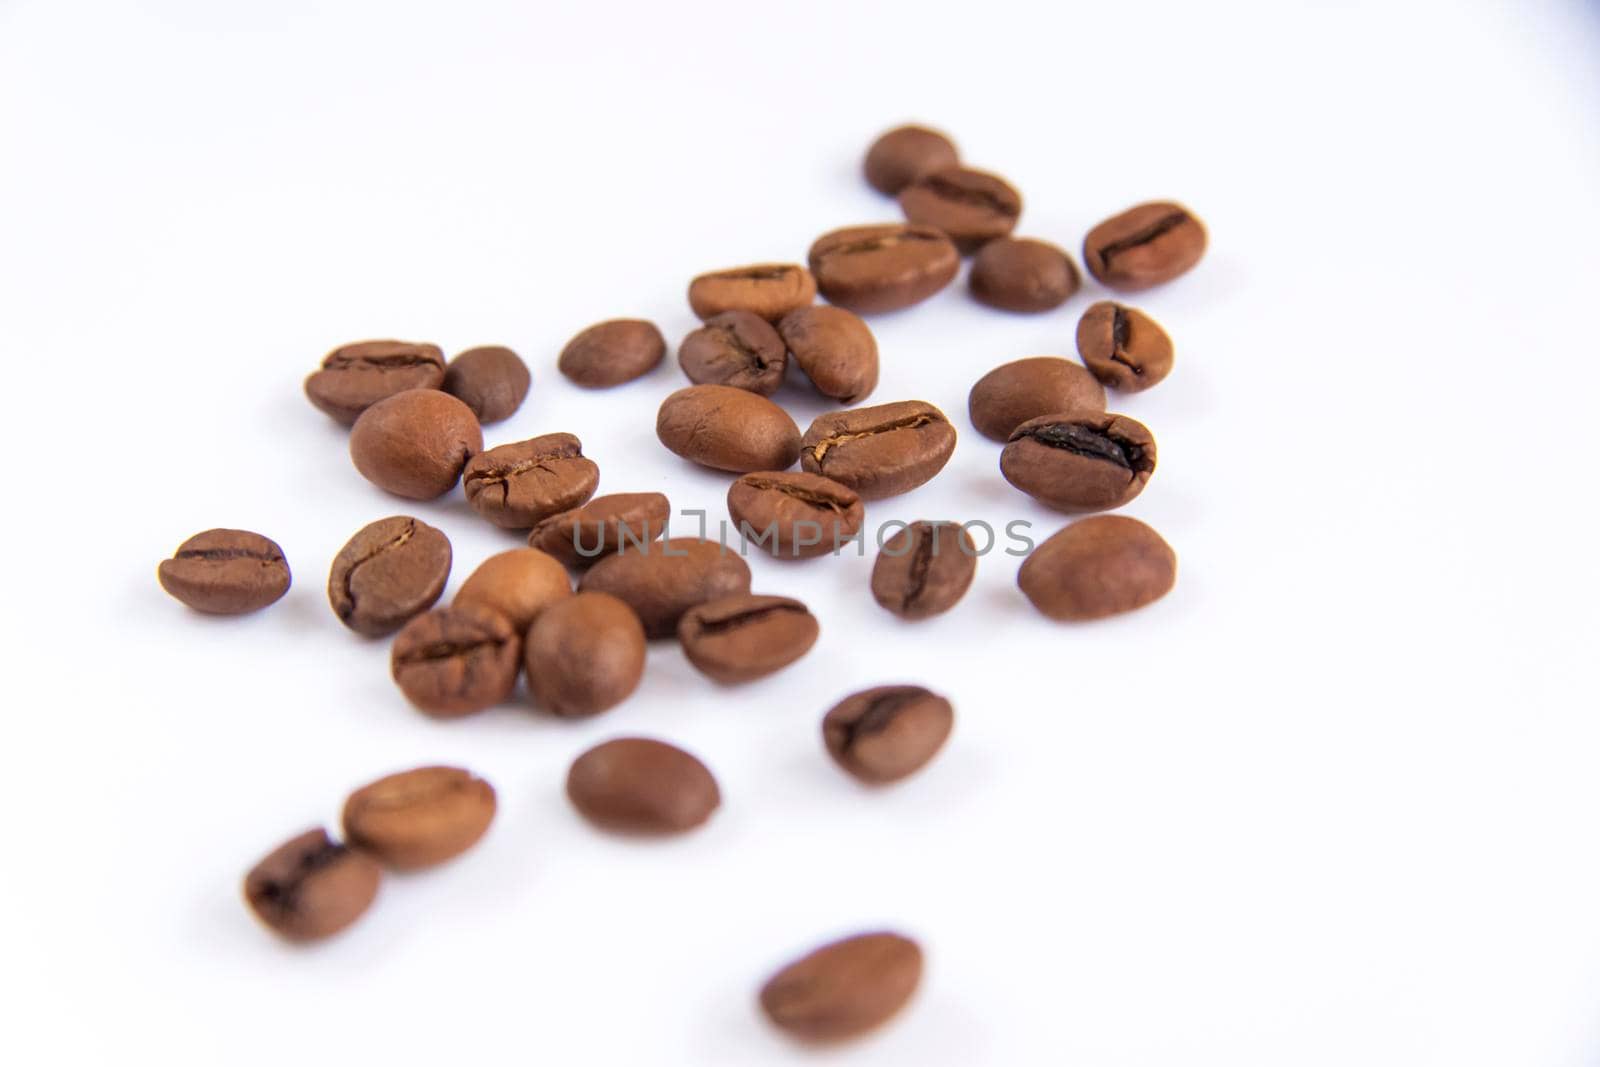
{"x":925,"y":569}
{"x":737,"y":348}
{"x":770,"y":290}
{"x":1097,"y":567}
{"x":1022,"y":274}
{"x":457,"y":660}
{"x":970,"y":206}
{"x":414,"y":444}
{"x":226,"y":572}
{"x":637,"y":785}
{"x":666,"y":578}
{"x":879,"y":451}
{"x":391,"y":571}
{"x":728,"y":429}
{"x":845,"y":988}
{"x":585,"y":655}
{"x":1080,"y":461}
{"x":869,"y":269}
{"x":1013,"y":393}
{"x":355,"y":377}
{"x":310,"y":887}
{"x":1144,"y":246}
{"x":1123,"y":347}
{"x":835,"y":349}
{"x":419,"y":818}
{"x":516,"y":485}
{"x":742,"y":638}
{"x":613,"y":352}
{"x":602,"y":526}
{"x":519,"y":583}
{"x":885,"y":734}
{"x":793,"y":514}
{"x":492,"y":381}
{"x":905,"y":154}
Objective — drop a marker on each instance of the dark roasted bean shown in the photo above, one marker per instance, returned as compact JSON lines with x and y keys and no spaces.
{"x":492,"y":381}
{"x":794,"y":514}
{"x":1144,"y":246}
{"x":226,"y":572}
{"x":1013,"y":393}
{"x":1078,"y":462}
{"x":737,"y":348}
{"x":1099,"y":566}
{"x":391,"y":571}
{"x":925,"y":569}
{"x":879,"y":451}
{"x":1123,"y":347}
{"x":886,"y":267}
{"x":745,"y":637}
{"x":886,"y":734}
{"x":355,"y":377}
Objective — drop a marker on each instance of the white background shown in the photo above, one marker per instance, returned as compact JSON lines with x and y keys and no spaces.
{"x":1333,"y":801}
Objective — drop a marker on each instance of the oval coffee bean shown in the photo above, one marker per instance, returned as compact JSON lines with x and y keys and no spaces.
{"x":519,"y":583}
{"x":1097,"y":567}
{"x":736,"y":348}
{"x":226,"y":572}
{"x":885,"y":734}
{"x":355,"y":377}
{"x":415,"y":443}
{"x":391,"y":571}
{"x":492,"y":381}
{"x":311,"y":887}
{"x":845,"y":988}
{"x":794,"y":514}
{"x":1123,"y":347}
{"x":585,"y":655}
{"x":925,"y":569}
{"x":666,"y":578}
{"x":602,"y":526}
{"x":742,"y":638}
{"x":879,"y":451}
{"x":610,"y":353}
{"x":969,"y":206}
{"x":419,"y":818}
{"x":1013,"y":393}
{"x":869,"y":269}
{"x":1080,"y":462}
{"x":1144,"y":246}
{"x":835,"y":349}
{"x":457,"y":660}
{"x":770,"y":290}
{"x":728,"y":429}
{"x":1022,"y":274}
{"x":642,"y":786}
{"x":905,"y":154}
{"x":516,"y":485}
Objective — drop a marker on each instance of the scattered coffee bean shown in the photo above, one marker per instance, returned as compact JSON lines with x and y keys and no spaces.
{"x":745,"y":637}
{"x":355,"y":377}
{"x":1123,"y":347}
{"x":666,"y":578}
{"x":969,"y":206}
{"x":1080,"y":461}
{"x":925,"y":569}
{"x":835,"y":349}
{"x":519,"y":583}
{"x":585,"y":655}
{"x":844,"y":989}
{"x":770,"y":290}
{"x":602,"y":526}
{"x":414,"y":444}
{"x":885,"y":734}
{"x":454,"y":661}
{"x":516,"y":485}
{"x":1097,"y":567}
{"x":869,"y":269}
{"x":905,"y":154}
{"x":391,"y":571}
{"x":737,"y":348}
{"x":1022,"y":274}
{"x":226,"y":572}
{"x":311,"y":887}
{"x":638,"y":785}
{"x":728,"y":429}
{"x":1013,"y":393}
{"x":1144,"y":246}
{"x":610,"y":353}
{"x":419,"y":818}
{"x":793,"y":514}
{"x":879,"y":451}
{"x":492,"y":381}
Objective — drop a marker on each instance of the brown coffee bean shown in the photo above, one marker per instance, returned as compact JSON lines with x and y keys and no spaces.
{"x":419,"y":818}
{"x":516,"y":485}
{"x":885,"y":734}
{"x":742,"y":638}
{"x":391,"y":571}
{"x":519,"y":583}
{"x":1080,"y":461}
{"x":1144,"y":246}
{"x":1097,"y":567}
{"x":770,"y":290}
{"x":793,"y":514}
{"x":415,"y":443}
{"x":585,"y":655}
{"x":310,"y":887}
{"x":492,"y":381}
{"x":905,"y":154}
{"x":728,"y":429}
{"x":457,"y":660}
{"x":925,"y":569}
{"x":1013,"y":393}
{"x":835,"y":349}
{"x":355,"y":377}
{"x":610,"y":353}
{"x":737,"y":348}
{"x":666,"y":578}
{"x":1022,"y":274}
{"x":637,"y":785}
{"x":602,"y":526}
{"x":1123,"y":347}
{"x":844,"y":989}
{"x":879,"y":451}
{"x":869,"y":269}
{"x":226,"y":572}
{"x":970,"y":206}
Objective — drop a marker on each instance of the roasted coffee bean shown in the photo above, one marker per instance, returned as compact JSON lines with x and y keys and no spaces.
{"x":1096,"y":567}
{"x":1123,"y":347}
{"x":1079,"y":461}
{"x":638,"y":785}
{"x":457,"y":660}
{"x":664,"y":579}
{"x":311,"y":887}
{"x":835,"y":349}
{"x":492,"y":381}
{"x":516,"y":485}
{"x":1022,"y":274}
{"x":925,"y":569}
{"x":844,"y":989}
{"x":885,"y":734}
{"x":1013,"y":393}
{"x":869,"y":269}
{"x":415,"y":443}
{"x":742,"y":638}
{"x":1144,"y":246}
{"x":584,"y":655}
{"x":226,"y":572}
{"x":793,"y":514}
{"x":419,"y":818}
{"x":737,"y":348}
{"x":355,"y":377}
{"x":610,"y":353}
{"x":770,"y":290}
{"x":391,"y":571}
{"x":519,"y":583}
{"x":969,"y":206}
{"x":728,"y":429}
{"x":905,"y":154}
{"x":602,"y":526}
{"x":879,"y":451}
